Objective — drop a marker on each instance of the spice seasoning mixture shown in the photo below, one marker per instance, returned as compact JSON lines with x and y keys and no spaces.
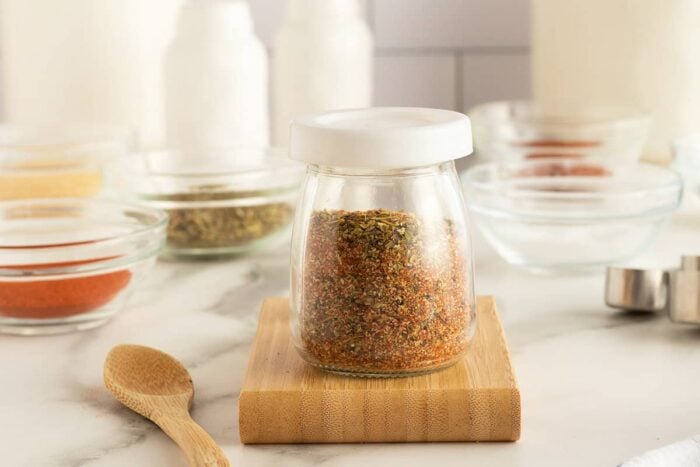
{"x":215,"y":227}
{"x":555,"y":143}
{"x":552,"y":148}
{"x":383,"y":291}
{"x":555,"y":169}
{"x":60,"y":298}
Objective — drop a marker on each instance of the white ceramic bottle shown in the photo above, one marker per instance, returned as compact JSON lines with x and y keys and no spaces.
{"x":86,"y":61}
{"x":323,"y":61}
{"x":641,"y":54}
{"x":216,"y":78}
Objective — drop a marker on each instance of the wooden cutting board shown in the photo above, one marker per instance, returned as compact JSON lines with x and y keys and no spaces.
{"x":285,"y":400}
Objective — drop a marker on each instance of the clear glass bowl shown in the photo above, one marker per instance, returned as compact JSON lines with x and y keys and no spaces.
{"x":551,"y":215}
{"x":71,"y":264}
{"x":52,"y":161}
{"x":516,"y":130}
{"x":220,"y":202}
{"x":686,"y":160}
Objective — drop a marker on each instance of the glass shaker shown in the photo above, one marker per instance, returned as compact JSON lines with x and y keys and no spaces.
{"x":381,"y":277}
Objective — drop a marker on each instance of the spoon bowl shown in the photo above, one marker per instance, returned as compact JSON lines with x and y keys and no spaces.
{"x":148,"y":371}
{"x":157,"y":386}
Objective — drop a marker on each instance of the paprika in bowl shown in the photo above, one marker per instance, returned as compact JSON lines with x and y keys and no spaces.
{"x":71,"y":264}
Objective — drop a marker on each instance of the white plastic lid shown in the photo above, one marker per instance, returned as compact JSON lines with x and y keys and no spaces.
{"x":381,"y":138}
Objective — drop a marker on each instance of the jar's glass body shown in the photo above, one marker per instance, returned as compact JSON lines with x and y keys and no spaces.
{"x":381,"y":276}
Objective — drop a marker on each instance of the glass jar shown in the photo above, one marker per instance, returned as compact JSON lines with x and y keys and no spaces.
{"x":381,"y":271}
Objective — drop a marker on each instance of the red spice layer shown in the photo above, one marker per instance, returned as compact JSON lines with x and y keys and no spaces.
{"x":60,"y":298}
{"x":560,"y":170}
{"x":553,"y":143}
{"x":549,"y":149}
{"x":549,"y":155}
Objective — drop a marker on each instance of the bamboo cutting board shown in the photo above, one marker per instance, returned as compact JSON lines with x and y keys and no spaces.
{"x":284,"y":400}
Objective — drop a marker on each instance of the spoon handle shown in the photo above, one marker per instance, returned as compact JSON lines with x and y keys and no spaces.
{"x":199,"y":448}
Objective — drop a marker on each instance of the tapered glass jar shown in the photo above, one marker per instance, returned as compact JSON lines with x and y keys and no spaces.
{"x":381,"y":278}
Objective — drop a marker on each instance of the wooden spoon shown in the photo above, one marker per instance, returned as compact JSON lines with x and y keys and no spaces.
{"x":155,"y":385}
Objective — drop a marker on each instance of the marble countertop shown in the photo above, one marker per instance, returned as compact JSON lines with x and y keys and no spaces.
{"x":598,"y":387}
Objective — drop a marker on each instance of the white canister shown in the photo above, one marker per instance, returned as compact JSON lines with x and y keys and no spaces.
{"x":216,"y":78}
{"x":323,"y":61}
{"x":613,"y":52}
{"x":86,"y":61}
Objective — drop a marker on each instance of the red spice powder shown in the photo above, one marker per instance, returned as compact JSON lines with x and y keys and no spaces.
{"x":60,"y":298}
{"x":553,"y":143}
{"x":549,"y":149}
{"x":555,"y":169}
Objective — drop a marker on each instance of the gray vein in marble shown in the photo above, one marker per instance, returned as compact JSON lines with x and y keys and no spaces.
{"x":230,"y":301}
{"x":216,"y":351}
{"x":545,"y":328}
{"x":265,"y":279}
{"x":80,"y":461}
{"x":137,"y":431}
{"x":317,"y":455}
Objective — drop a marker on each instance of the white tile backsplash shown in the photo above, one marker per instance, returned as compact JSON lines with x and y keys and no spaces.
{"x":415,"y":81}
{"x":493,"y":77}
{"x":451,"y":23}
{"x":268,"y":15}
{"x":438,"y":53}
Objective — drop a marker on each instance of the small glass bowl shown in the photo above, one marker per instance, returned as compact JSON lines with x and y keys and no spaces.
{"x":220,"y":202}
{"x":554,"y":215}
{"x":516,"y":130}
{"x":71,"y":264}
{"x":53,"y":161}
{"x":686,"y":160}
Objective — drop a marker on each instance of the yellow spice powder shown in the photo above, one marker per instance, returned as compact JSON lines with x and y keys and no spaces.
{"x":78,"y":183}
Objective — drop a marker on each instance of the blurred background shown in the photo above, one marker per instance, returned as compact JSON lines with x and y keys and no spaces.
{"x":107,"y":61}
{"x":448,"y":54}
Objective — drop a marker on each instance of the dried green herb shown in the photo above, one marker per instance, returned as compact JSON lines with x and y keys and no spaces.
{"x":383,"y":291}
{"x":225,"y":226}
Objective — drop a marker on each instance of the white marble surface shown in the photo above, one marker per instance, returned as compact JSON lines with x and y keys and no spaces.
{"x":598,"y":387}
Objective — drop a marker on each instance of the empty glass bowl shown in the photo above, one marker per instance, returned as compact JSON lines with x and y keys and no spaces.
{"x":686,"y":160}
{"x":220,"y":201}
{"x":555,"y":214}
{"x":516,"y":130}
{"x":59,"y":160}
{"x":71,"y":264}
